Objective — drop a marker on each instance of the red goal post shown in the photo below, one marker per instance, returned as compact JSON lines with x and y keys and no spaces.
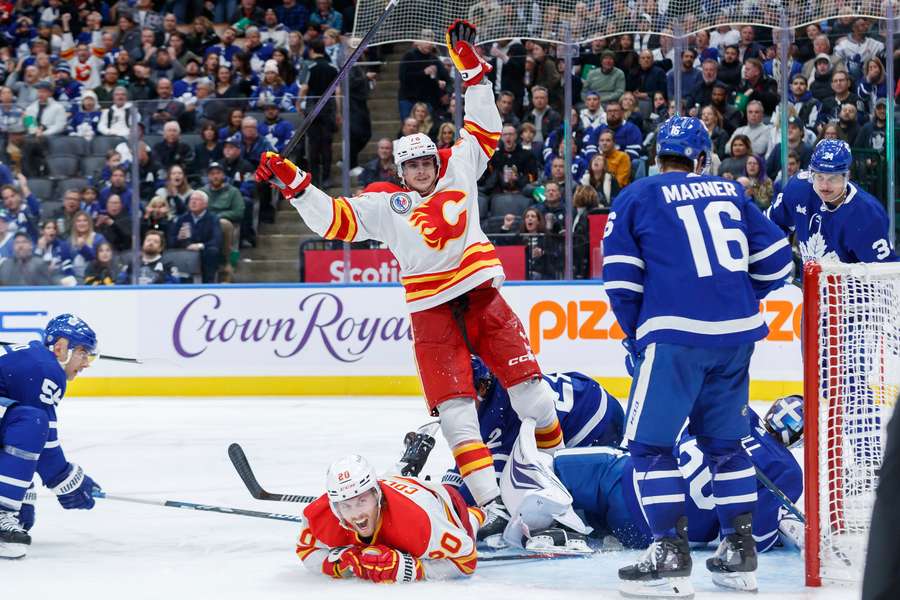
{"x":851,"y":362}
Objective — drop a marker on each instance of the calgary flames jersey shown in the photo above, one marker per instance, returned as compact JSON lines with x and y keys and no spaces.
{"x":417,"y":518}
{"x":436,"y":239}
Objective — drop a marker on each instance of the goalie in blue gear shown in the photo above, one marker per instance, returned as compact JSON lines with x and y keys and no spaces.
{"x":33,"y":381}
{"x":588,"y":415}
{"x":687,"y":257}
{"x":831,"y":217}
{"x":602,"y":483}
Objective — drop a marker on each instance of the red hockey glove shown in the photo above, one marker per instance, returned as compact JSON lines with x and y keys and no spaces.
{"x":342,"y":562}
{"x":461,"y":44}
{"x":382,"y":564}
{"x":283,"y":174}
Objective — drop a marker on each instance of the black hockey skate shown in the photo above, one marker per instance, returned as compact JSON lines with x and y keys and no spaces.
{"x":496,"y":518}
{"x":419,"y":445}
{"x":663,"y":571}
{"x":14,"y":540}
{"x":734,"y":565}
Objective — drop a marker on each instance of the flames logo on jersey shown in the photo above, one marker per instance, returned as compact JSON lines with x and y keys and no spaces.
{"x":436,"y":226}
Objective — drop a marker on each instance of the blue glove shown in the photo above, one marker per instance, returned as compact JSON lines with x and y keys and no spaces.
{"x":631,"y":357}
{"x":73,"y":488}
{"x":26,"y":513}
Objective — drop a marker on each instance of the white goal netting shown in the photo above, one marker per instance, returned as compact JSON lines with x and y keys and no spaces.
{"x":589,"y":19}
{"x":859,"y":379}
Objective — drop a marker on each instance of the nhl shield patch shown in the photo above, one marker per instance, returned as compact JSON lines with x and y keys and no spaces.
{"x":401,"y":203}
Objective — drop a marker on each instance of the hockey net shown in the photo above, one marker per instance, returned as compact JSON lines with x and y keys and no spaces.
{"x":851,"y":345}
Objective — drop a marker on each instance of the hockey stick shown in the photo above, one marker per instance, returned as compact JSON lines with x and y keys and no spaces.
{"x":242,"y":466}
{"x":532,"y":556}
{"x":103,"y":356}
{"x":201,"y":507}
{"x":326,"y":96}
{"x":782,"y":497}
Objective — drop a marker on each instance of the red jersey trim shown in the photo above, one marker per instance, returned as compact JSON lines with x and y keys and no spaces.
{"x":476,"y":257}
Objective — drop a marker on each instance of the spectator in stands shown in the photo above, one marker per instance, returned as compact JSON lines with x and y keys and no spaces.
{"x":734,"y":166}
{"x":553,"y":208}
{"x":631,"y":111}
{"x":116,"y":120}
{"x":382,"y":167}
{"x":140,"y":87}
{"x":701,"y":95}
{"x":873,"y":85}
{"x":22,"y":214}
{"x":795,"y":144}
{"x":293,"y":14}
{"x":45,"y":116}
{"x":874,"y":134}
{"x":759,"y":132}
{"x":321,"y":133}
{"x":247,"y":12}
{"x":533,"y":230}
{"x":545,"y":73}
{"x":114,"y":224}
{"x":170,"y":150}
{"x":841,"y":94}
{"x":117,"y":184}
{"x":24,"y":268}
{"x":325,"y":17}
{"x":409,"y":127}
{"x":86,"y":118}
{"x":584,"y":200}
{"x":84,"y":241}
{"x":275,"y":130}
{"x":592,"y":115}
{"x":25,"y":89}
{"x":722,"y":36}
{"x":157,"y":216}
{"x":527,"y":132}
{"x":608,"y":81}
{"x":10,"y":113}
{"x":691,"y":77}
{"x":793,"y":163}
{"x":511,"y":168}
{"x":202,"y":36}
{"x":424,"y":123}
{"x":226,"y":48}
{"x":544,"y":118}
{"x":165,"y":108}
{"x":712,"y":121}
{"x":647,"y":79}
{"x":199,"y":231}
{"x":627,"y":135}
{"x":254,"y":145}
{"x":124,"y":67}
{"x":65,"y":214}
{"x":66,"y":90}
{"x":164,"y":66}
{"x":508,"y":75}
{"x":423,"y":77}
{"x":272,"y":31}
{"x":233,"y":125}
{"x":104,"y":269}
{"x":848,"y":122}
{"x":758,"y":184}
{"x":748,"y":48}
{"x":153,"y":268}
{"x":446,"y":136}
{"x":832,"y":131}
{"x":57,"y":253}
{"x":820,"y":87}
{"x":208,"y":150}
{"x":822,"y":51}
{"x":108,"y":83}
{"x":603,"y":183}
{"x":177,"y":189}
{"x":555,"y":171}
{"x":225,"y":202}
{"x":858,"y":47}
{"x":806,"y":108}
{"x":617,"y":161}
{"x":730,"y":69}
{"x":756,"y":86}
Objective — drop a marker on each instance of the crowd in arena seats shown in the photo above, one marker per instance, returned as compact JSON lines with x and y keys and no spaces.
{"x":623,"y":88}
{"x":76,"y":78}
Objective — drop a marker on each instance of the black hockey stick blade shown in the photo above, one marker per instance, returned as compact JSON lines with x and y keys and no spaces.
{"x":101,"y":356}
{"x":345,"y":68}
{"x":242,"y":466}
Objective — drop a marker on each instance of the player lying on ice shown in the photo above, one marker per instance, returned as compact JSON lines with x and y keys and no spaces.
{"x":450,"y":271}
{"x":392,"y":529}
{"x":32,"y":382}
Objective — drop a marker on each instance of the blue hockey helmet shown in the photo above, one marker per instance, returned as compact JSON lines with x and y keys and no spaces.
{"x":70,"y":327}
{"x":481,"y":374}
{"x":683,"y":136}
{"x":784,"y":420}
{"x":831,"y":156}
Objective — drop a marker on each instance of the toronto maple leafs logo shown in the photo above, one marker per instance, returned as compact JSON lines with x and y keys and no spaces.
{"x":801,"y":210}
{"x":815,"y":248}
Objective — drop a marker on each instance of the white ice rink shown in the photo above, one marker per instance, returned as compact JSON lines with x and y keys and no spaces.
{"x":176,"y":449}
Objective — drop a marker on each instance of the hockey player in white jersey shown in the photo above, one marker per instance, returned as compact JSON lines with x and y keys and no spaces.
{"x":450,"y":271}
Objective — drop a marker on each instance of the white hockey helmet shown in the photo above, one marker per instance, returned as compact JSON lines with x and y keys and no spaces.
{"x":348,"y":478}
{"x":412,"y":146}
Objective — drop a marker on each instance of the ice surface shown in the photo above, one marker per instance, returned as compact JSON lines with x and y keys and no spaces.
{"x":176,"y":449}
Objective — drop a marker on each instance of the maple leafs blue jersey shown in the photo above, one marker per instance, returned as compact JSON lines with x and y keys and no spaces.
{"x":687,"y":257}
{"x":31,"y":375}
{"x":588,"y":415}
{"x":601,"y":481}
{"x":855,"y":231}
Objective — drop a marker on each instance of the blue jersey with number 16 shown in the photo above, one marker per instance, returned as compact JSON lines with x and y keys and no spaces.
{"x":686,"y":258}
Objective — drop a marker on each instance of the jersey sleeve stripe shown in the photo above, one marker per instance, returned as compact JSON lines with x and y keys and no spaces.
{"x":19,"y":483}
{"x":664,"y":499}
{"x":623,"y":259}
{"x":749,"y":472}
{"x":486,"y":139}
{"x":766,"y":252}
{"x":736,"y":499}
{"x":550,"y":436}
{"x":343,"y":225}
{"x":784,"y":272}
{"x":623,"y":285}
{"x":699,"y":326}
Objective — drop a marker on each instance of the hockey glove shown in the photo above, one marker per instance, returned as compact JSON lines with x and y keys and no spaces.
{"x":73,"y":488}
{"x":26,"y":513}
{"x":290,"y":179}
{"x":382,"y":564}
{"x":631,"y":357}
{"x":461,"y":44}
{"x":342,"y":562}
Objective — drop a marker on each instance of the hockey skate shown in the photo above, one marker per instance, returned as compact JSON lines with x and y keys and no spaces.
{"x":663,"y":571}
{"x":734,"y":565}
{"x":557,"y":540}
{"x":495,"y":519}
{"x":14,"y":540}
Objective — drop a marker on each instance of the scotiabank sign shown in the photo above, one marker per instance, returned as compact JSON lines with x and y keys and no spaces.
{"x":380,"y":266}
